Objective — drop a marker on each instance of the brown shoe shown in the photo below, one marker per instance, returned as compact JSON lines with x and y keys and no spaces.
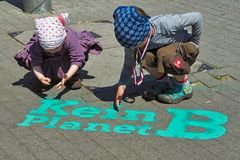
{"x":75,"y":85}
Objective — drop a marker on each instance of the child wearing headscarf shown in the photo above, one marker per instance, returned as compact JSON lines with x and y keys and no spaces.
{"x":56,"y":52}
{"x":161,"y":45}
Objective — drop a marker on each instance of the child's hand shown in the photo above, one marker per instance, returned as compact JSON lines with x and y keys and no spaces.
{"x":116,"y":104}
{"x":61,"y":84}
{"x":45,"y":80}
{"x":119,"y":94}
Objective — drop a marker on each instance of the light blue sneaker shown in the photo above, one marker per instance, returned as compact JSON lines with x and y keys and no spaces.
{"x":176,"y":94}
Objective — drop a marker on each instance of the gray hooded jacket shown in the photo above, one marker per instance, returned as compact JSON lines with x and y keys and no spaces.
{"x":168,"y":29}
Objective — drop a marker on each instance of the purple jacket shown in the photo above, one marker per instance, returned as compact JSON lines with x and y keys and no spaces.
{"x":76,"y":47}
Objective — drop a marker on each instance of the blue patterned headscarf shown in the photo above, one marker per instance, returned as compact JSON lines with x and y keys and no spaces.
{"x":130,"y":27}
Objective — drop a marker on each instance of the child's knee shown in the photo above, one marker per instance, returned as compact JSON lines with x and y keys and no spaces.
{"x":190,"y":52}
{"x":177,"y":58}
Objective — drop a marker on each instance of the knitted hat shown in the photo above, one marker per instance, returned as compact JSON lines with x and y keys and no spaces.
{"x":131,"y":28}
{"x":51,"y":30}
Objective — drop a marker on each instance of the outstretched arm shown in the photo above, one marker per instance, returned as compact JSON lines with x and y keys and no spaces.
{"x":125,"y":76}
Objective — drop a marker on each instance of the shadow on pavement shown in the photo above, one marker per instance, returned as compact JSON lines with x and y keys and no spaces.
{"x":32,"y":83}
{"x":84,"y":74}
{"x":59,"y":96}
{"x":108,"y":93}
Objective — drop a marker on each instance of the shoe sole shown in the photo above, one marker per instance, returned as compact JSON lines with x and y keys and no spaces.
{"x":188,"y":96}
{"x":149,"y":96}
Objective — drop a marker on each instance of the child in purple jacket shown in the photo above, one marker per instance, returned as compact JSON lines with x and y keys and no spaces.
{"x":56,"y":53}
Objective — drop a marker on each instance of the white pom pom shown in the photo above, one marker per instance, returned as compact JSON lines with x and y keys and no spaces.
{"x":65,"y":17}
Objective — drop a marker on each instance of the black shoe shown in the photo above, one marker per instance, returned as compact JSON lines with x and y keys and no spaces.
{"x":154,"y":91}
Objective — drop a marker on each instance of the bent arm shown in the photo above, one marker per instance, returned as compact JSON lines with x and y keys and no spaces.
{"x":193,"y":19}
